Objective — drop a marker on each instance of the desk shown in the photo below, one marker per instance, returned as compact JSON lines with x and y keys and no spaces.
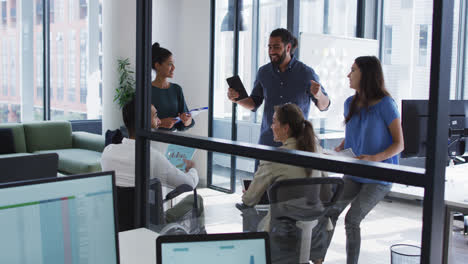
{"x":138,"y":246}
{"x":456,"y":200}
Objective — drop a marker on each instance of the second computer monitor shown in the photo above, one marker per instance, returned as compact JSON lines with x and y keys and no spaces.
{"x":414,"y":118}
{"x":230,"y":248}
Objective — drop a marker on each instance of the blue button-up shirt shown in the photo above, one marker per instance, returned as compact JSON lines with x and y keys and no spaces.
{"x":276,"y":88}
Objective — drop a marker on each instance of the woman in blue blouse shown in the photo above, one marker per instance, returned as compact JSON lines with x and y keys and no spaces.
{"x":168,"y":97}
{"x":374,"y":133}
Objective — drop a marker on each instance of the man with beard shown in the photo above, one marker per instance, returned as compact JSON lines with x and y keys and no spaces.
{"x":284,"y":80}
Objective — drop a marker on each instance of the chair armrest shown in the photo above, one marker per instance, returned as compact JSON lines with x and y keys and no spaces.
{"x":177,"y":191}
{"x":243,"y":206}
{"x":85,"y":140}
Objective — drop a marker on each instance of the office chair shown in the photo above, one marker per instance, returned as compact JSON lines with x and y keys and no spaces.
{"x":30,"y":167}
{"x":176,"y":220}
{"x":164,"y":222}
{"x":296,"y":207}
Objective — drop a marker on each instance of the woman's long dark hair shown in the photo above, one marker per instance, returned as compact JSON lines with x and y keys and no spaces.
{"x":371,"y":86}
{"x":300,"y":128}
{"x":159,"y":54}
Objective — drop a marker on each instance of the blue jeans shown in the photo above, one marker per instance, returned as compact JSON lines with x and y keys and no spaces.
{"x":363,"y":198}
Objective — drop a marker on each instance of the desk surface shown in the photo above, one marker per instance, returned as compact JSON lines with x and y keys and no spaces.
{"x":138,"y":246}
{"x":456,"y":187}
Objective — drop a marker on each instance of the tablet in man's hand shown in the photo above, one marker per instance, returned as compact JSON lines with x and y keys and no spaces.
{"x":235,"y":83}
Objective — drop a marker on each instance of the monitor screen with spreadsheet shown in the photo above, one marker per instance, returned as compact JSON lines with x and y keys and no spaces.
{"x":62,"y":220}
{"x":233,"y":248}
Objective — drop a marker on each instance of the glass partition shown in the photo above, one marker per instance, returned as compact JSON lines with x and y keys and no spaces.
{"x":258,"y":18}
{"x":21,"y":61}
{"x":247,"y":211}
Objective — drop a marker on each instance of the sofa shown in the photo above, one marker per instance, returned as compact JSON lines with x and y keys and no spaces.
{"x":79,"y":152}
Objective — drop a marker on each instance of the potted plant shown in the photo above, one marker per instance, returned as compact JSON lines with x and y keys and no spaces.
{"x":126,"y":89}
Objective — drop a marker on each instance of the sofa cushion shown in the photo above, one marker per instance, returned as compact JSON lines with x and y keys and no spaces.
{"x":8,"y":143}
{"x":76,"y":161}
{"x":48,"y":135}
{"x":85,"y":140}
{"x":18,"y":136}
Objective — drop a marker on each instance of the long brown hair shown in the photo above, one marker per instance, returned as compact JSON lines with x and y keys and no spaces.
{"x":371,"y":86}
{"x":300,"y":128}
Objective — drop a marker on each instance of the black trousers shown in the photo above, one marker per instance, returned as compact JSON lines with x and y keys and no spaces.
{"x":126,"y":208}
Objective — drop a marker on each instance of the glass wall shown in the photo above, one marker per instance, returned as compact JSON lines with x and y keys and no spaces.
{"x":259,"y":18}
{"x":407,"y":48}
{"x":75,"y":68}
{"x":75,"y":76}
{"x":222,"y":113}
{"x":21,"y":61}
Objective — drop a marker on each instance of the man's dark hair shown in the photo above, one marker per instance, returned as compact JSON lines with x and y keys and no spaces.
{"x":128,"y":114}
{"x":285,"y":35}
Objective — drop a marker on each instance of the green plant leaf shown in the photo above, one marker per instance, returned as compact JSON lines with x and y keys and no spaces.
{"x":126,"y":88}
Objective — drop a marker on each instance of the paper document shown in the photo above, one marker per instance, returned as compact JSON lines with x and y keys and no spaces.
{"x":194,"y":112}
{"x":176,"y":155}
{"x":344,"y":153}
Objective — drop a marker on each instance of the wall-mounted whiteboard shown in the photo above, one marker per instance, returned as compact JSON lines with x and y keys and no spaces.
{"x":331,"y":57}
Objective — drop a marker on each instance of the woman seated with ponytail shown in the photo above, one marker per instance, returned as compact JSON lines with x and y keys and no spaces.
{"x":294,"y":132}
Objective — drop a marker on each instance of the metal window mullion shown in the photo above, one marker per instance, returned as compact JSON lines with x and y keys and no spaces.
{"x":46,"y":59}
{"x":377,"y":10}
{"x":373,"y":170}
{"x":143,"y":98}
{"x":380,"y":26}
{"x":211,"y":90}
{"x":293,"y":17}
{"x":326,"y":13}
{"x":255,"y":47}
{"x":462,"y":51}
{"x":360,"y":18}
{"x":433,"y":216}
{"x":237,"y":8}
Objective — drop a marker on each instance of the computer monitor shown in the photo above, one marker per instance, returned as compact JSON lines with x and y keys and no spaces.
{"x":30,"y":167}
{"x":62,"y":220}
{"x":231,"y":248}
{"x":414,"y":117}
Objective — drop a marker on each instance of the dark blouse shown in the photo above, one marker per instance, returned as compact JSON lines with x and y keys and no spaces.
{"x":170,"y":103}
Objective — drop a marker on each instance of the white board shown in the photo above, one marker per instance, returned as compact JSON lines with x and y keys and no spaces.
{"x":331,"y":58}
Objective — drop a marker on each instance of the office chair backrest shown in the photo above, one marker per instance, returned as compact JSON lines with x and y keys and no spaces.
{"x":156,"y":203}
{"x":30,"y":167}
{"x":298,"y":205}
{"x":304,"y":197}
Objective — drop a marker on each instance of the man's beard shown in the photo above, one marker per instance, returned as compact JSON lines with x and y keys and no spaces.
{"x":281,"y":59}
